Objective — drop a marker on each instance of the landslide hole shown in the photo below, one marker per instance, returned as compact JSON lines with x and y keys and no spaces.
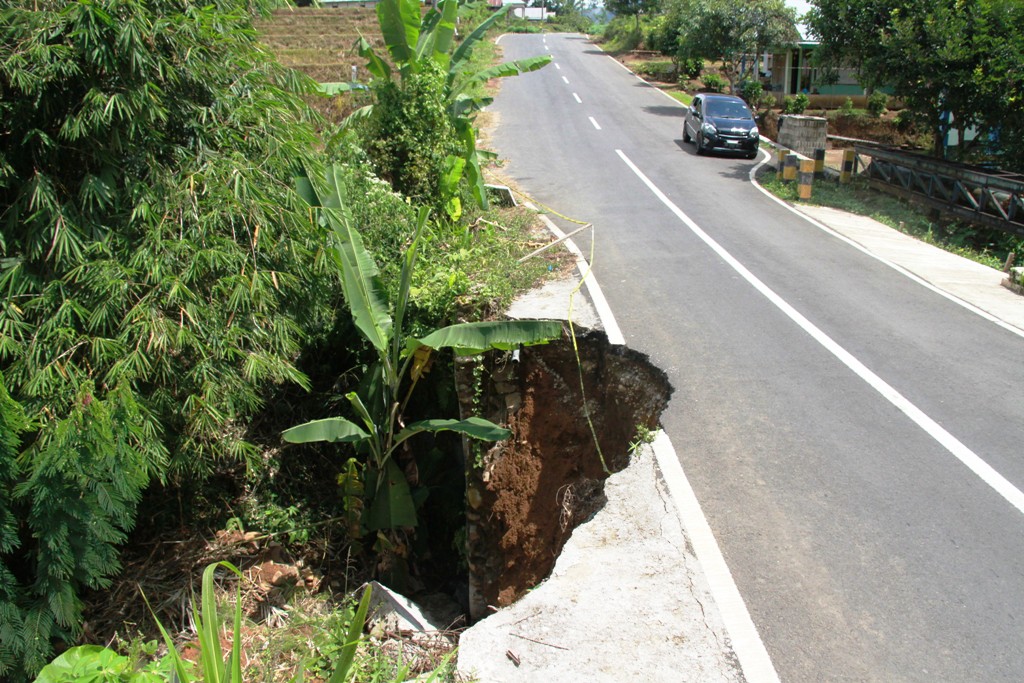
{"x":526,"y":495}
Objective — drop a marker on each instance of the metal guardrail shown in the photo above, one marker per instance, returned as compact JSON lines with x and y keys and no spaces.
{"x":991,"y":198}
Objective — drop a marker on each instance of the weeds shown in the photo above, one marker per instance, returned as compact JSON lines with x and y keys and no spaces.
{"x":644,"y":436}
{"x":985,"y":246}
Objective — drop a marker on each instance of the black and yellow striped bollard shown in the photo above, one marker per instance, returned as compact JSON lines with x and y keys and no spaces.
{"x":819,"y":164}
{"x":849,"y":157}
{"x":789,"y":168}
{"x":803,"y":190}
{"x":780,"y":161}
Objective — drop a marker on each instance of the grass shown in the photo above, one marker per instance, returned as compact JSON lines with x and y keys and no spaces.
{"x":986,"y":246}
{"x":683,"y":97}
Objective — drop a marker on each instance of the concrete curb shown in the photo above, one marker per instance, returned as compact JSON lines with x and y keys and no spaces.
{"x":709,"y":615}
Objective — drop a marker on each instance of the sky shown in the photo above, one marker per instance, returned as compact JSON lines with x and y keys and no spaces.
{"x":801,"y":6}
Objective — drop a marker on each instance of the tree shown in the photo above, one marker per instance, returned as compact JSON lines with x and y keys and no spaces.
{"x":402,"y":359}
{"x":955,"y":59}
{"x":632,"y":8}
{"x":735,"y":35}
{"x":420,"y":133}
{"x":157,"y":275}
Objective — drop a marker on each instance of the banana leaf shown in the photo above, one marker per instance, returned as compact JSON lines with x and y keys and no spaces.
{"x":331,"y":430}
{"x":473,"y":427}
{"x":400,"y":26}
{"x":506,"y":69}
{"x":374,"y":64}
{"x":468,"y":339}
{"x":392,"y":505}
{"x":404,"y":287}
{"x":474,"y":175}
{"x":360,"y":278}
{"x":438,"y":43}
{"x":338,"y":88}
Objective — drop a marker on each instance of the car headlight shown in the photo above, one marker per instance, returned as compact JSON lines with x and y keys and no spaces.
{"x":752,"y":133}
{"x":709,"y":129}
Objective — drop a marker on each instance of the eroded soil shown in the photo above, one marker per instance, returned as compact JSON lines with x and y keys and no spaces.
{"x":527,"y":495}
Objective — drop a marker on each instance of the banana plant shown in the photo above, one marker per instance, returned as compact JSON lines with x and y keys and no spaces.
{"x":401,"y":360}
{"x":413,"y":38}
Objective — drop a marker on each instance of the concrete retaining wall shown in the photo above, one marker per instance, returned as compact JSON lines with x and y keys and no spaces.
{"x":803,"y":134}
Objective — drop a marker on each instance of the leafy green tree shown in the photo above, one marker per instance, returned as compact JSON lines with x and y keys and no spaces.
{"x":157,"y":272}
{"x":401,"y":360}
{"x":667,"y":35}
{"x":958,"y":57}
{"x":409,"y":142}
{"x":632,"y":8}
{"x":735,"y":33}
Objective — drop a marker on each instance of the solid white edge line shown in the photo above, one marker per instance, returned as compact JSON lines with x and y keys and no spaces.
{"x":755,"y":662}
{"x":744,"y":640}
{"x":895,"y":266}
{"x":578,"y":100}
{"x":593,"y":121}
{"x":961,"y":452}
{"x":604,"y":311}
{"x":645,"y":82}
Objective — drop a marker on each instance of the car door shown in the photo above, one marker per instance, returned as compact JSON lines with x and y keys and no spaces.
{"x":693,"y":116}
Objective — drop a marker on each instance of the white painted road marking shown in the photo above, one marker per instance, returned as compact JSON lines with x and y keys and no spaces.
{"x":595,"y":123}
{"x":969,"y":458}
{"x":558,"y":66}
{"x":895,"y":266}
{"x":578,"y":100}
{"x":566,"y":80}
{"x":746,"y":643}
{"x":604,"y":311}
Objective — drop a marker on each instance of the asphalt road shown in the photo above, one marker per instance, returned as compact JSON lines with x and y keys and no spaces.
{"x":863,"y":549}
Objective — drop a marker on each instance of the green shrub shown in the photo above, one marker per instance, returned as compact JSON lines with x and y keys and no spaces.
{"x":690,"y":68}
{"x":847,"y":108}
{"x":163,"y":277}
{"x":410,"y":135}
{"x":662,"y":69}
{"x":570,"y":22}
{"x":751,"y":92}
{"x":795,"y":105}
{"x":876,"y":104}
{"x":714,"y":82}
{"x":622,"y":35}
{"x":905,"y":120}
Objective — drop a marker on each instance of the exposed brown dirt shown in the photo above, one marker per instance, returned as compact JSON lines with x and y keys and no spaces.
{"x":527,"y":495}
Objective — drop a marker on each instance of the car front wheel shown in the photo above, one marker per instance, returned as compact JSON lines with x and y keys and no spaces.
{"x":686,"y":136}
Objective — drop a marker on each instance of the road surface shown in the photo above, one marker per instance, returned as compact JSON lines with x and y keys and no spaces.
{"x":862,"y":545}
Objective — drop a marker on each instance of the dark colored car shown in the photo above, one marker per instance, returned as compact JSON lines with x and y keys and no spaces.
{"x":721,"y":122}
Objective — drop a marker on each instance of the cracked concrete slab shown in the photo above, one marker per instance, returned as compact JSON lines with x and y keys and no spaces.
{"x":626,"y":601}
{"x":562,"y":299}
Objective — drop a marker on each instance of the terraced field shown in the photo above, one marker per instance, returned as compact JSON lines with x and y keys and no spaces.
{"x":322,"y":44}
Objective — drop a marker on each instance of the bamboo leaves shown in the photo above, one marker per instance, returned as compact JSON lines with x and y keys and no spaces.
{"x":155,"y":275}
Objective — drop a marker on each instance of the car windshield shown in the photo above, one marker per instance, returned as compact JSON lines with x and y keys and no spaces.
{"x":726,"y":109}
